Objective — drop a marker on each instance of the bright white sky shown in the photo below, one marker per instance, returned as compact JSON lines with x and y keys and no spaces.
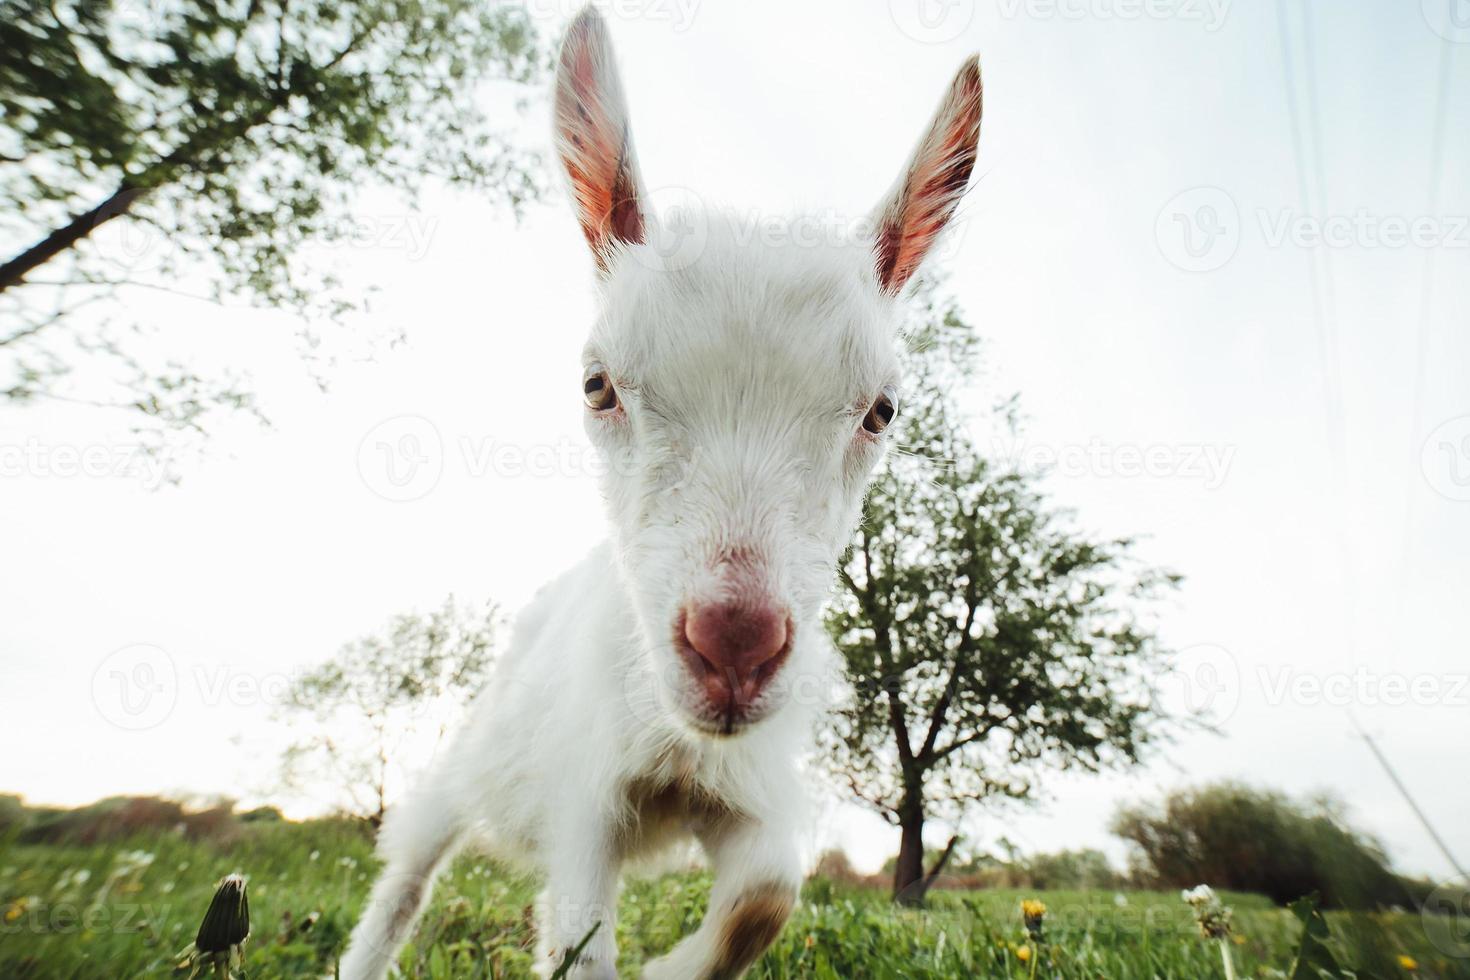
{"x":1306,"y":564}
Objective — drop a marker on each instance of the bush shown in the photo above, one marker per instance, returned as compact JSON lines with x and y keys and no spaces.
{"x":1233,"y":836}
{"x":13,"y":816}
{"x":1084,"y":869}
{"x":121,"y":818}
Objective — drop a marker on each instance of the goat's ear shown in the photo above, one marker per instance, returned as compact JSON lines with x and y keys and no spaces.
{"x":910,"y":219}
{"x":593,"y":140}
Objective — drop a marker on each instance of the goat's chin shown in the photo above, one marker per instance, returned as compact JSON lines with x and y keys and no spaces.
{"x":719,"y":727}
{"x":719,"y":722}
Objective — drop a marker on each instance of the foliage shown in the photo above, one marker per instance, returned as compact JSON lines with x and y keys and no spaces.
{"x":383,"y":693}
{"x":141,"y":140}
{"x":118,"y":818}
{"x":1260,"y":841}
{"x":986,"y":639}
{"x":13,"y":815}
{"x":308,"y":882}
{"x":1072,"y":869}
{"x":1085,"y":868}
{"x":1314,"y":955}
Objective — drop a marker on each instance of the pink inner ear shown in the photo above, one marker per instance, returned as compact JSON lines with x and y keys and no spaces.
{"x":935,"y":182}
{"x":595,"y":145}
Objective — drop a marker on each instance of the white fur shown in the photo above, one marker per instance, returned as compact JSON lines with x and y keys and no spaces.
{"x":743,"y":374}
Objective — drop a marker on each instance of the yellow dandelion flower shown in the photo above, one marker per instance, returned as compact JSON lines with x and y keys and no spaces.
{"x":14,"y":912}
{"x":810,"y":940}
{"x":1408,"y":963}
{"x":1023,"y":953}
{"x":1033,"y":915}
{"x":1238,"y":939}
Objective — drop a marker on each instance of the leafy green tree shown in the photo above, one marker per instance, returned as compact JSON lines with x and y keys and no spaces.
{"x":985,"y":640}
{"x":1253,"y":840}
{"x":382,"y":697}
{"x":220,"y":138}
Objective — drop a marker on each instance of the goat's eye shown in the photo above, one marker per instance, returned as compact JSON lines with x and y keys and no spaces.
{"x":883,"y":411}
{"x":597,"y":389}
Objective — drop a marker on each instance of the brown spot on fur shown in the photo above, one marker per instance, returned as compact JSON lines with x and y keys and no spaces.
{"x":754,"y":924}
{"x":658,"y":810}
{"x":406,"y":909}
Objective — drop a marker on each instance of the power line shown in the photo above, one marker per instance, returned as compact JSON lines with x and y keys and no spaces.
{"x":1324,"y":307}
{"x":1426,"y":298}
{"x":1408,"y":797}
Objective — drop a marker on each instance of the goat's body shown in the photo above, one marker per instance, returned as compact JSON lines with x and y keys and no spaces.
{"x":741,"y":390}
{"x":565,"y":760}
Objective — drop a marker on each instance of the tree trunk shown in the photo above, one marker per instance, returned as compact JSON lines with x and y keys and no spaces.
{"x":66,"y":236}
{"x":909,"y":884}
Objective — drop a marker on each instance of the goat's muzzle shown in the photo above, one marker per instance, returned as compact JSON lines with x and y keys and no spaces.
{"x":733,"y":649}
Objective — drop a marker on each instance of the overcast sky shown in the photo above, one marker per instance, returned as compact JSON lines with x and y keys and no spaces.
{"x":1239,"y":337}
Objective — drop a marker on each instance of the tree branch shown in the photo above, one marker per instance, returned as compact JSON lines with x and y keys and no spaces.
{"x":943,"y":859}
{"x":977,"y":735}
{"x":951,"y":687}
{"x":78,"y":227}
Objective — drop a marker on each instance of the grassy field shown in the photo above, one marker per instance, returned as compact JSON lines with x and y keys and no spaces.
{"x":127,"y":909}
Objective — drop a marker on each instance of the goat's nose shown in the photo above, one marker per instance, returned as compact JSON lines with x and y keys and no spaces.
{"x":737,"y":646}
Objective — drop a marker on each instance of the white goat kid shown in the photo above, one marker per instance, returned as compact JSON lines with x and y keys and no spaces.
{"x":647,"y":694}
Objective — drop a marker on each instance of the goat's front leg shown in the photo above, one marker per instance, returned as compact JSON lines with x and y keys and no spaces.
{"x":757,"y":877}
{"x":581,"y":892}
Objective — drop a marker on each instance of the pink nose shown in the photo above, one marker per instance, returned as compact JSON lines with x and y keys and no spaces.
{"x":735,"y":648}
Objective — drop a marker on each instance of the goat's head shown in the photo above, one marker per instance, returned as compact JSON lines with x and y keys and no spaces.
{"x":742,"y":395}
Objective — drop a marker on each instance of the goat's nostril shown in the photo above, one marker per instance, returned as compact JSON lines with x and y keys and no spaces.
{"x":738,"y":646}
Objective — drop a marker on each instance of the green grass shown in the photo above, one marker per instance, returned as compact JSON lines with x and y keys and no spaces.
{"x":119,"y":911}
